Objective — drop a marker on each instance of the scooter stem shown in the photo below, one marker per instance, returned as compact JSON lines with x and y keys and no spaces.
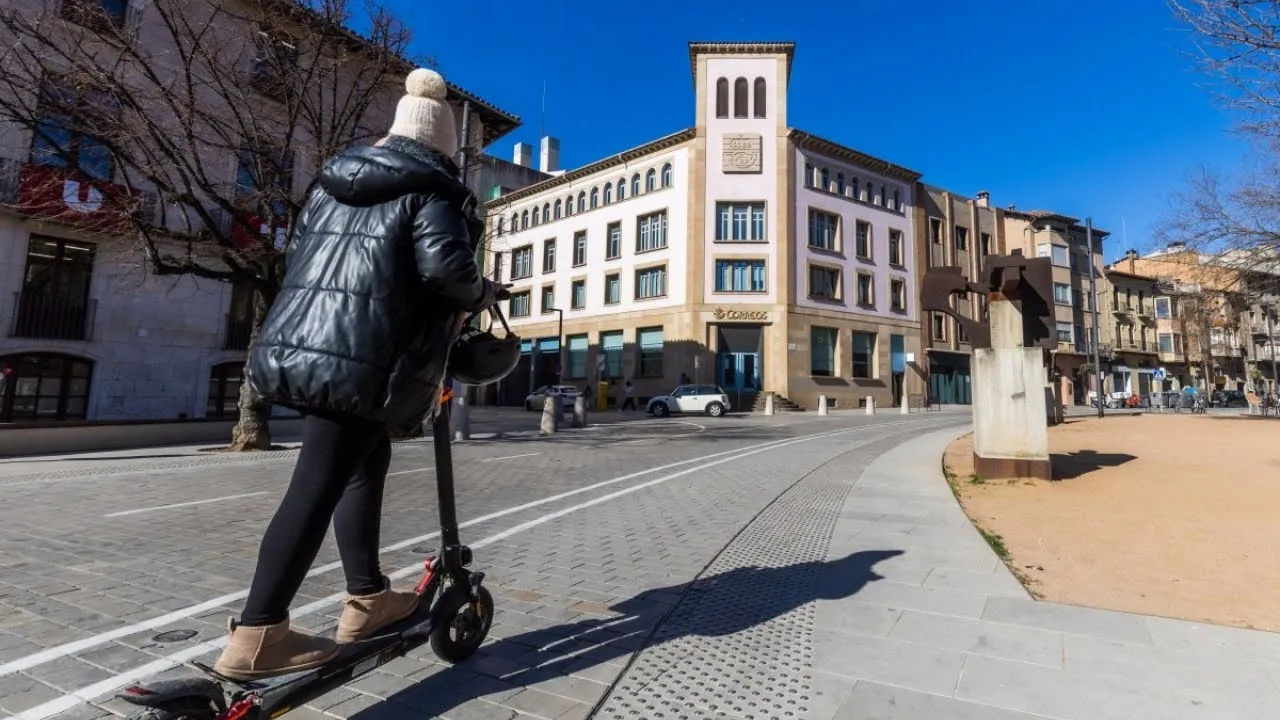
{"x":444,"y":479}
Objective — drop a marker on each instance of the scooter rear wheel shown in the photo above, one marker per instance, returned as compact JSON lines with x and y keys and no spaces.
{"x":459,"y":629}
{"x":178,"y":710}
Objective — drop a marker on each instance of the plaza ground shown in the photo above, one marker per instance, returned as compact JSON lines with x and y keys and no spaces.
{"x":1163,"y":514}
{"x":785,"y":567}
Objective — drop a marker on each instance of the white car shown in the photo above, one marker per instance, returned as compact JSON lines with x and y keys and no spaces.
{"x":566,"y":393}
{"x":708,"y":399}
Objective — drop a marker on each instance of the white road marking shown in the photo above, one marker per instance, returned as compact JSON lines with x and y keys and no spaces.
{"x":509,"y":457}
{"x":701,"y":429}
{"x":406,"y":472}
{"x":83,"y":644}
{"x":136,"y":511}
{"x":104,"y":687}
{"x":109,"y":684}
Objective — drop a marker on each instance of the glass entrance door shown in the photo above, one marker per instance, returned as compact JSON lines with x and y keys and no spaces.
{"x":739,"y":373}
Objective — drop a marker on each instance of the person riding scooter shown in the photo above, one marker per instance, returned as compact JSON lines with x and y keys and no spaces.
{"x":380,"y":273}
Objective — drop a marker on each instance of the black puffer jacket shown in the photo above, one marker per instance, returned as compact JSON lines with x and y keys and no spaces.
{"x":380,"y":271}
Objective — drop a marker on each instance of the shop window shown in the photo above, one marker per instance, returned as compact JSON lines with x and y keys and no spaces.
{"x":822,"y":351}
{"x":44,"y":386}
{"x":576,"y":369}
{"x":224,"y":389}
{"x":651,"y":346}
{"x":864,"y":354}
{"x":611,"y":347}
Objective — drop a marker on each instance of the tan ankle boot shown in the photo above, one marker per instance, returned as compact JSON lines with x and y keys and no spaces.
{"x":269,"y":650}
{"x":364,"y":615}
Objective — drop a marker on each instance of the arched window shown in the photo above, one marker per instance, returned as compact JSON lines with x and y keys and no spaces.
{"x":546,"y":212}
{"x":622,"y":189}
{"x":825,"y":182}
{"x":536,"y":215}
{"x":595,"y":197}
{"x":582,"y":201}
{"x":650,"y":180}
{"x":608,"y":193}
{"x":635,"y":184}
{"x":722,"y":98}
{"x":515,"y":222}
{"x":559,"y":206}
{"x":808,"y":174}
{"x":524,"y":219}
{"x":224,"y":389}
{"x":740,"y":98}
{"x":666,"y":175}
{"x":840,"y":183}
{"x":759,"y":98}
{"x":568,"y":205}
{"x":44,"y":386}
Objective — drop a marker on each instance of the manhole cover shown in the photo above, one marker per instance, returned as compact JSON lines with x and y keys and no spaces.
{"x":173,"y":636}
{"x":422,"y":550}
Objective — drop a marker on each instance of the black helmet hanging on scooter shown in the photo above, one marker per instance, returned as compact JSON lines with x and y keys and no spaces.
{"x":479,"y":357}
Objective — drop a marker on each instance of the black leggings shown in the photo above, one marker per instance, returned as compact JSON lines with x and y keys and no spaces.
{"x":340,"y":474}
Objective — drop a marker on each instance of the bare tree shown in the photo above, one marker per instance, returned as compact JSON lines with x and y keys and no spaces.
{"x":202,"y":122}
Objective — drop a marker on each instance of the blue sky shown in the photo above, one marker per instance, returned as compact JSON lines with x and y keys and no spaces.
{"x":1088,"y":107}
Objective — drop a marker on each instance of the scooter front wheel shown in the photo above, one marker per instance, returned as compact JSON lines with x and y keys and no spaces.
{"x":177,"y":710}
{"x":461,"y":625}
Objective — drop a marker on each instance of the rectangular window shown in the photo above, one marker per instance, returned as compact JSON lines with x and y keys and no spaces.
{"x":580,"y":248}
{"x":740,"y":222}
{"x":824,"y":282}
{"x":576,"y":368}
{"x":1062,"y":293}
{"x":740,"y":276}
{"x":611,"y":349}
{"x":862,"y":237}
{"x":548,"y":298}
{"x":822,"y":351}
{"x":578,"y":296}
{"x":60,"y":140}
{"x":519,"y":306}
{"x":650,"y":358}
{"x":984,"y":239}
{"x":896,"y":254}
{"x":935,"y":231}
{"x":1164,"y":308}
{"x":522,"y":263}
{"x":939,"y":326}
{"x":651,"y":231}
{"x":613,"y":247}
{"x":866,"y":290}
{"x":962,"y":238}
{"x":898,"y":294}
{"x":1066,"y":333}
{"x":612,"y":289}
{"x":824,"y":230}
{"x":549,"y":256}
{"x":497,"y":267}
{"x":864,"y":355}
{"x":54,"y":300}
{"x":1061,"y":256}
{"x":651,"y":282}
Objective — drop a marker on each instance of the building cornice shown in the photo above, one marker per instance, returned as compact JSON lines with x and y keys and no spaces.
{"x":809,"y":141}
{"x":1034,"y":216}
{"x":626,"y":156}
{"x":740,"y":48}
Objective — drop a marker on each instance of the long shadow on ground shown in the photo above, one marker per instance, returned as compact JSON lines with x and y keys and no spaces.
{"x":508,"y":665}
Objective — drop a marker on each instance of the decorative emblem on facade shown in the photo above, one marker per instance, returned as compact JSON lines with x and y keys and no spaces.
{"x":741,"y":153}
{"x":722,"y":314}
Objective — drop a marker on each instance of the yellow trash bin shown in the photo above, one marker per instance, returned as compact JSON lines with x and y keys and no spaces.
{"x":602,"y":396}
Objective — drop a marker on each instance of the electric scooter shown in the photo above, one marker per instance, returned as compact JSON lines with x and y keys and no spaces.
{"x":454,"y":614}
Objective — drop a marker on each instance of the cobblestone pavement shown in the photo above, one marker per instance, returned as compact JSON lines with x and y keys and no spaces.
{"x":612,"y":524}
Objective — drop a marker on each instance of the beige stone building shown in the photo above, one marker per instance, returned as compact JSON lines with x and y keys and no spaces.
{"x":739,"y":252}
{"x":1131,"y":351}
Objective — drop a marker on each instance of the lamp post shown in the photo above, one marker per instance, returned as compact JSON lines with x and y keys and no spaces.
{"x":561,"y":353}
{"x":1096,"y":331}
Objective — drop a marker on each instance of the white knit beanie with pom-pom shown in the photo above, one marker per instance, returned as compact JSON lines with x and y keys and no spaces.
{"x":423,"y":115}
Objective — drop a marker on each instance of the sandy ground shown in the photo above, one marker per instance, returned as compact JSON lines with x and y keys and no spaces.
{"x":1182,"y":519}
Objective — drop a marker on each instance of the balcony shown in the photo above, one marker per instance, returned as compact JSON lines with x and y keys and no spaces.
{"x":236,"y":333}
{"x":46,"y":316}
{"x":1222,"y":349}
{"x":106,"y":17}
{"x":1136,"y":347}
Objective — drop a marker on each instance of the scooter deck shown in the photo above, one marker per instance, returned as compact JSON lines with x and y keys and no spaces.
{"x":352,"y":660}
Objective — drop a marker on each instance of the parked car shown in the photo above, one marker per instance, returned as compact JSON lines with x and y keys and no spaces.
{"x":566,"y":393}
{"x":1229,"y":398}
{"x":708,"y":399}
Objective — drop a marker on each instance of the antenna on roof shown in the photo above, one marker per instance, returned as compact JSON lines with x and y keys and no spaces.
{"x":542,"y":119}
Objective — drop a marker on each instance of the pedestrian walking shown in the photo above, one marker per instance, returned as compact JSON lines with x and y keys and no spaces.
{"x":629,"y":392}
{"x":381,"y":275}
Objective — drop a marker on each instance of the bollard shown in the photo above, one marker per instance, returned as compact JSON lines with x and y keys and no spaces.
{"x":871,"y":404}
{"x":579,"y":412}
{"x":551,"y":409}
{"x":461,"y":415}
{"x":768,"y":404}
{"x":822,"y":404}
{"x":904,"y":408}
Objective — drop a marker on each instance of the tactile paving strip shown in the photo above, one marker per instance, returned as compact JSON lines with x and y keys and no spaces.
{"x":740,"y":642}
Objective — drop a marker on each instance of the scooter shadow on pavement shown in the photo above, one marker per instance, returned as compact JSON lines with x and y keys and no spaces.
{"x":712,"y":606}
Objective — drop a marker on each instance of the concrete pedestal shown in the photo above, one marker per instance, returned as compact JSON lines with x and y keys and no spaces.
{"x":904,"y":408}
{"x":871,"y":404}
{"x":551,"y":410}
{"x":822,"y":404}
{"x":1010,"y":422}
{"x":580,"y":412}
{"x":768,"y":404}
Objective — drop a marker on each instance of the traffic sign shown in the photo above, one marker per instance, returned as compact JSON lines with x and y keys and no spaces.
{"x":1158,"y":374}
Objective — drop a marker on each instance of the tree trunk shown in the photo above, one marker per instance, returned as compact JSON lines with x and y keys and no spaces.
{"x":253,"y":429}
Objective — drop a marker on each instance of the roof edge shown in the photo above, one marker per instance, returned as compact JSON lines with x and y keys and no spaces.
{"x":817,"y":143}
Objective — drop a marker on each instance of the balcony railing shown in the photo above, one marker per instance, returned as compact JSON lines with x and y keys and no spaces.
{"x":52,"y":317}
{"x":236,"y":333}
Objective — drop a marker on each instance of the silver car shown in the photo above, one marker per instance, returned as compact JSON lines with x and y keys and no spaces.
{"x":708,"y":399}
{"x":566,"y":393}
